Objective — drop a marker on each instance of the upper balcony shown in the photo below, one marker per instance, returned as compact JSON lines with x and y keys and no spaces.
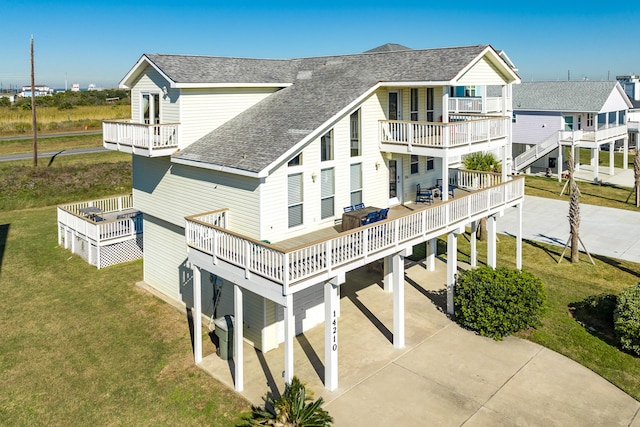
{"x":141,"y":139}
{"x":283,"y":267}
{"x":479,"y":132}
{"x":593,"y":138}
{"x":475,"y":105}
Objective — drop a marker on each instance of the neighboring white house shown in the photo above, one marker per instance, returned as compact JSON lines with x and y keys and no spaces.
{"x":242,"y":168}
{"x":631,"y":86}
{"x":575,"y":114}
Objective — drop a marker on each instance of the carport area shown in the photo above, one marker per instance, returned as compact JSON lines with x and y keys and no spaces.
{"x":443,"y":376}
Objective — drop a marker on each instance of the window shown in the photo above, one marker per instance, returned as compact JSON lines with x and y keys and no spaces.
{"x":612,"y":117}
{"x":356,"y":183}
{"x":430,"y":104}
{"x":589,"y":120}
{"x":327,"y":183}
{"x":469,"y":91}
{"x":580,"y":122}
{"x":355,"y":133}
{"x":514,"y":118}
{"x":602,"y":120}
{"x":295,"y":198}
{"x":414,"y":104}
{"x":430,"y":164}
{"x":414,"y":164}
{"x":296,"y":161}
{"x":326,"y":146}
{"x":621,"y":117}
{"x":568,"y":123}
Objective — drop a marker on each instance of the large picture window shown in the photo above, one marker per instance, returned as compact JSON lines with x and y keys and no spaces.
{"x":327,"y":182}
{"x":295,"y":199}
{"x":356,"y":183}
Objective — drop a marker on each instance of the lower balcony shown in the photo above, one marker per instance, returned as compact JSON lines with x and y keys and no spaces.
{"x":103,"y":232}
{"x":479,"y":132}
{"x":141,"y":139}
{"x":295,"y":267}
{"x":593,"y":138}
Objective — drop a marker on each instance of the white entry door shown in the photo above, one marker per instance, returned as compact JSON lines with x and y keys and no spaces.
{"x":395,"y":182}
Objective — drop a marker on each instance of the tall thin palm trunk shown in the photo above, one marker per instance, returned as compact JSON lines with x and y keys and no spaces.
{"x":636,"y":174}
{"x":574,"y":211}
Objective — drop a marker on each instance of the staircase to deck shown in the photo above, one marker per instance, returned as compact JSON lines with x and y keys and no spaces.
{"x":536,"y":152}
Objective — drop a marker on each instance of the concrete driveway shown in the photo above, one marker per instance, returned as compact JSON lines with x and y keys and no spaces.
{"x":445,"y":375}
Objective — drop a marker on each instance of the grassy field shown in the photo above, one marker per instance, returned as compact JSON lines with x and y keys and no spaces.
{"x":591,"y":194}
{"x":82,"y":346}
{"x":17,"y":121}
{"x":19,"y":146}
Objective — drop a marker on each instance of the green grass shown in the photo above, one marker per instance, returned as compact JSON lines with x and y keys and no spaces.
{"x":584,"y":154}
{"x":19,"y":146}
{"x":592,"y":194}
{"x":67,"y":179}
{"x":82,"y":346}
{"x":568,"y":283}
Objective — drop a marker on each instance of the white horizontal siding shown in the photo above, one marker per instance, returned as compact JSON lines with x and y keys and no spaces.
{"x":165,"y":270}
{"x":203,"y":110}
{"x":482,"y":73}
{"x":152,"y":82}
{"x":172,"y":192}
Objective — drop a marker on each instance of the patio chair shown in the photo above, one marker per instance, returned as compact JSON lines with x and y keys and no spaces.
{"x":382,"y":214}
{"x":370,"y":218}
{"x":359,"y":206}
{"x":423,"y":195}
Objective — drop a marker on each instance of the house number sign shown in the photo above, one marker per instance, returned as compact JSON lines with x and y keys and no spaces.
{"x":334,"y":331}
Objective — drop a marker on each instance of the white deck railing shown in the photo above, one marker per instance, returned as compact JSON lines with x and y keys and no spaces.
{"x":287,"y":267}
{"x":595,"y":136}
{"x":443,"y":135}
{"x":474,"y":105}
{"x":140,"y":135}
{"x":71,"y":217}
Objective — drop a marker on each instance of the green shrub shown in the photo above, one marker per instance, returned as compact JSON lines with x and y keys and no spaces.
{"x":626,"y":319}
{"x":496,"y":303}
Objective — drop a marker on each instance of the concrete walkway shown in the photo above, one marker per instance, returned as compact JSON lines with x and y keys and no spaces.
{"x":609,"y":232}
{"x":445,"y":375}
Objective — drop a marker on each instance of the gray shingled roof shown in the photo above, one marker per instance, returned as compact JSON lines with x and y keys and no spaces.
{"x":582,"y":96}
{"x":209,"y":69}
{"x":322,"y":87}
{"x":388,"y":47}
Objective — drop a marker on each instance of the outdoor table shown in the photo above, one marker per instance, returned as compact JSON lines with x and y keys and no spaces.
{"x":354,"y":218}
{"x":91,"y":211}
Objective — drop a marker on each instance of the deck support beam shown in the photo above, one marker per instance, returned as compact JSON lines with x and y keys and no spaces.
{"x":289,"y":333}
{"x":387,"y":277}
{"x":432,"y":253}
{"x":398,"y":299}
{"x":238,"y":338}
{"x":473,"y":240}
{"x":492,"y":238}
{"x":452,"y":267}
{"x":625,"y":152}
{"x":331,"y":313}
{"x":519,"y":238}
{"x":196,"y":315}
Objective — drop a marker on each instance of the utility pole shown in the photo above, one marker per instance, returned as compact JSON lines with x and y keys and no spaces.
{"x":33,"y":111}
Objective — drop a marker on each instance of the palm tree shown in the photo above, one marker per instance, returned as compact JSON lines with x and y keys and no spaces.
{"x":485,"y":162}
{"x":574,"y":211}
{"x":293,"y":409}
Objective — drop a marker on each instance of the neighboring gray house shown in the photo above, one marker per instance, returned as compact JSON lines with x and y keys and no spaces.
{"x":631,"y":86}
{"x":573,"y":114}
{"x":243,"y":169}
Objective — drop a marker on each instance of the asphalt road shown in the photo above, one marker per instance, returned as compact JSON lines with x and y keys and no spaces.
{"x":42,"y":155}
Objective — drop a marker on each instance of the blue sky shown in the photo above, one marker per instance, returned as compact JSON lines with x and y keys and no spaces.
{"x":98,"y":42}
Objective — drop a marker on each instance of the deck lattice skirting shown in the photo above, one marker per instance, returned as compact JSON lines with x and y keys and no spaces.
{"x":117,"y":238}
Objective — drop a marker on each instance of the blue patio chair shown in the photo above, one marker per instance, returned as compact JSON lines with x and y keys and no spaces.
{"x":382,"y":214}
{"x":423,"y":195}
{"x":370,"y":218}
{"x":348,"y":209}
{"x":359,"y":206}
